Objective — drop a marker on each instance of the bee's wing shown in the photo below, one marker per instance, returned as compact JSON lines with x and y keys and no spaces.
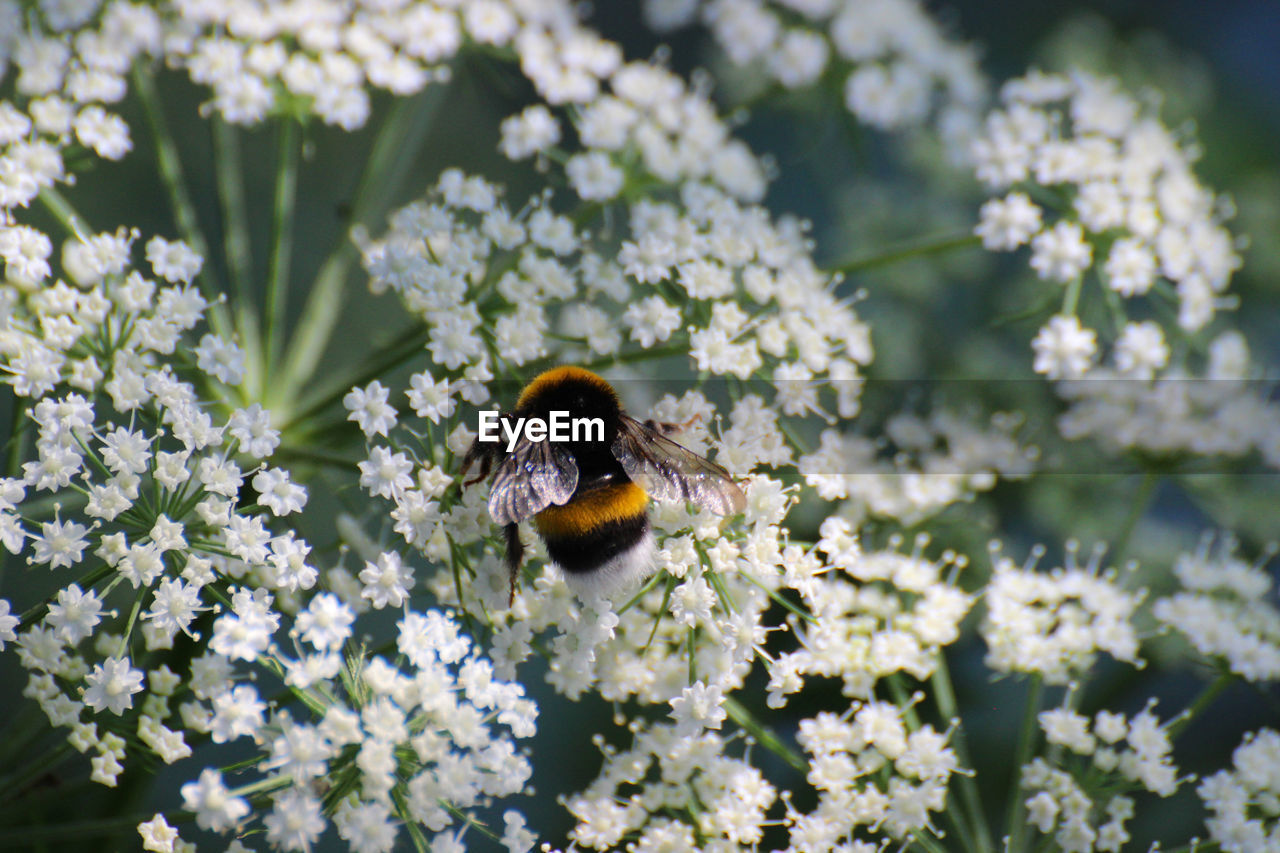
{"x":535,"y":475}
{"x":670,"y":472}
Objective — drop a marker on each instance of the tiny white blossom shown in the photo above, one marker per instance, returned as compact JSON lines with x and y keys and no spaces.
{"x":386,"y":582}
{"x":1063,"y":348}
{"x":370,"y":410}
{"x":111,"y":685}
{"x":212,"y":803}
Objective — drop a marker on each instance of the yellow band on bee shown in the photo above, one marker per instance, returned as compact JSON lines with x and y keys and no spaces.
{"x":592,"y":510}
{"x":560,"y":375}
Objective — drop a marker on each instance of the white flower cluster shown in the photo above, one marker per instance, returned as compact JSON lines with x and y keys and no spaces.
{"x":940,"y":459}
{"x":667,"y":773}
{"x":1226,"y":610}
{"x":1088,"y":171}
{"x":646,"y":122}
{"x":106,"y":331}
{"x":1245,"y":800}
{"x":321,"y":57}
{"x":870,"y":770}
{"x":899,"y":67}
{"x":1061,"y":807}
{"x":326,"y":55}
{"x":1138,"y":749}
{"x":1054,"y":624}
{"x":441,"y":254}
{"x":422,"y":739}
{"x":1220,"y":412}
{"x":1123,"y":754}
{"x":461,"y":243}
{"x":61,"y":85}
{"x":154,"y":483}
{"x":153,"y":498}
{"x":873,"y":614}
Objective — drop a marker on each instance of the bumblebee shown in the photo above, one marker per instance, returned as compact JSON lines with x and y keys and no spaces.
{"x":588,"y":496}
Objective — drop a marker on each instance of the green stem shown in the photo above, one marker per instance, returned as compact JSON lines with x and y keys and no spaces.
{"x":1071,"y":298}
{"x":235,"y":213}
{"x":34,"y":769}
{"x":184,"y":212}
{"x":907,"y":251}
{"x":21,"y":731}
{"x":394,"y":152}
{"x":1196,"y":847}
{"x":175,"y":185}
{"x":133,"y":620}
{"x":929,"y":843}
{"x":763,"y":734}
{"x":301,"y":454}
{"x":1137,"y":508}
{"x":637,"y":356}
{"x":17,"y":443}
{"x":903,"y":699}
{"x":236,"y":246}
{"x":945,"y":696}
{"x":286,"y":194}
{"x":57,"y":204}
{"x":406,"y":345}
{"x":72,"y":832}
{"x":1201,"y":702}
{"x":1017,"y":813}
{"x":416,"y":835}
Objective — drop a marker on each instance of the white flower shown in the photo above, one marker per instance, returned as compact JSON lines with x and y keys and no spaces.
{"x":1130,"y":267}
{"x":698,"y":706}
{"x":237,"y":712}
{"x":1007,"y":223}
{"x":8,"y":624}
{"x":386,"y":582}
{"x":594,"y":176}
{"x":221,"y":359}
{"x":799,"y":58}
{"x":157,"y":836}
{"x":516,"y":836}
{"x":25,"y":252}
{"x":246,"y":632}
{"x":214,"y":807}
{"x":1061,"y":253}
{"x":326,"y":622}
{"x":386,"y":474}
{"x":289,"y":559}
{"x":430,"y":399}
{"x":531,"y":132}
{"x":174,"y":606}
{"x":111,"y":685}
{"x":105,"y":133}
{"x":251,"y":426}
{"x":174,"y":262}
{"x":1141,"y":350}
{"x":74,"y":614}
{"x":1064,"y":349}
{"x":370,"y":410}
{"x":59,"y":543}
{"x":651,"y":320}
{"x":278,"y":493}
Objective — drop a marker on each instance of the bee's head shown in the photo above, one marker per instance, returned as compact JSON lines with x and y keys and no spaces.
{"x":575,"y":390}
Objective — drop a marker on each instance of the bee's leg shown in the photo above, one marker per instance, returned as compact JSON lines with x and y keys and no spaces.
{"x":480,"y":452}
{"x":515,"y":553}
{"x":670,"y":429}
